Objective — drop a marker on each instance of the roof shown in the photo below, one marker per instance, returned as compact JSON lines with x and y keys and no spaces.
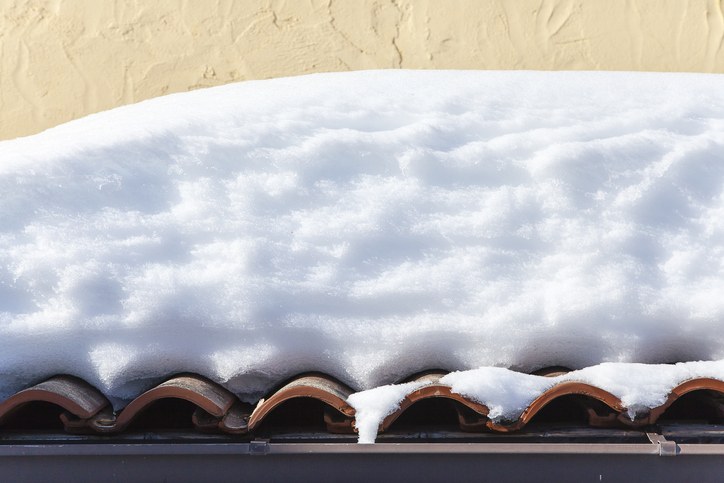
{"x":189,"y":428}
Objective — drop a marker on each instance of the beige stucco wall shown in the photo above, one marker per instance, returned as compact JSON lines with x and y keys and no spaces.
{"x":63,"y":59}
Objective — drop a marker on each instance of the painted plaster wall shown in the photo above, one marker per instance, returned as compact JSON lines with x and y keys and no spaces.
{"x":64,"y":59}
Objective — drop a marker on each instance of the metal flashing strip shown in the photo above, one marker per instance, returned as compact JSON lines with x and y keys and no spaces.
{"x":263,"y":447}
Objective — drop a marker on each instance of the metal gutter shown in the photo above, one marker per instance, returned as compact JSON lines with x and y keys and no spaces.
{"x":184,"y":443}
{"x":652,"y":455}
{"x":700,"y":449}
{"x":265,"y":461}
{"x":264,"y":448}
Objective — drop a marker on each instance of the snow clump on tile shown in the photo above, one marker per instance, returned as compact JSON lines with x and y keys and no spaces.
{"x":507,"y":394}
{"x":374,"y":405}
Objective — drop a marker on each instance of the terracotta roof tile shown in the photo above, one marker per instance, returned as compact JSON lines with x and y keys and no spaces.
{"x":564,"y":389}
{"x":316,"y":386}
{"x":87,"y":409}
{"x":434,"y":390}
{"x":210,"y":397}
{"x":76,"y":396}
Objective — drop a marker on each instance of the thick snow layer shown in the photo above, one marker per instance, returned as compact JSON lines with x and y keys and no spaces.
{"x":368,"y":225}
{"x":506,"y":393}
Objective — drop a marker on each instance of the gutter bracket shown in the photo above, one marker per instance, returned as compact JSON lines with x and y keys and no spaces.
{"x":259,"y":447}
{"x":666,"y":448}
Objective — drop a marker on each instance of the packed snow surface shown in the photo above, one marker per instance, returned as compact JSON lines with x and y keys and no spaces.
{"x":368,"y":225}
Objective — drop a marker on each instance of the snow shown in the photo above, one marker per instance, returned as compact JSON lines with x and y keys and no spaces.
{"x":368,"y":225}
{"x":640,"y":387}
{"x":374,"y":405}
{"x":506,"y":393}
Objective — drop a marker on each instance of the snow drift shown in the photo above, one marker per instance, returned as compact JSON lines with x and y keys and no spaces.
{"x":368,"y":225}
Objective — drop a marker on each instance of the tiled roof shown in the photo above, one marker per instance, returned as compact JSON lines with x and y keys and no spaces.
{"x":86,"y":409}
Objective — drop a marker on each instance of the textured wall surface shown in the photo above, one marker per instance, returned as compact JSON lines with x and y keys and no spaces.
{"x":63,"y":59}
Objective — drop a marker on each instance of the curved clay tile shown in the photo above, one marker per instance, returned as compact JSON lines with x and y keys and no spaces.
{"x":210,"y":397}
{"x":317,"y":386}
{"x":337,"y":422}
{"x":698,"y":384}
{"x":436,"y":390}
{"x":474,"y":422}
{"x":611,"y":414}
{"x":236,"y":421}
{"x":73,"y":394}
{"x":563,"y":389}
{"x":650,"y":417}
